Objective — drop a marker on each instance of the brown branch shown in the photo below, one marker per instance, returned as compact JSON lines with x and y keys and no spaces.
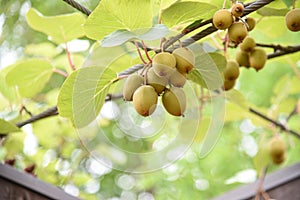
{"x":278,"y":124}
{"x":78,"y":6}
{"x":284,"y":51}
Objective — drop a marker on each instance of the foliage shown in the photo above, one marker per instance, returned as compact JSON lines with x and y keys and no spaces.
{"x":51,"y":72}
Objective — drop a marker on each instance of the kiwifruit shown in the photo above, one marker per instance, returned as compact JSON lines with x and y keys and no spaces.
{"x":158,"y":82}
{"x":248,"y":44}
{"x":277,"y":149}
{"x":251,"y":22}
{"x":222,"y":19}
{"x":237,"y":10}
{"x":185,"y":59}
{"x":292,"y":20}
{"x":164,"y":64}
{"x":237,"y":32}
{"x":228,"y":84}
{"x":132,"y":82}
{"x":174,"y":101}
{"x":258,"y":58}
{"x":232,"y":70}
{"x":145,"y":100}
{"x":177,"y":79}
{"x":242,"y":58}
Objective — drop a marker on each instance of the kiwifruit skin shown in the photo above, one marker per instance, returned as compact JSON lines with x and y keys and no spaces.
{"x":277,"y":149}
{"x":242,"y":58}
{"x":222,"y":19}
{"x":258,"y":58}
{"x":133,"y":82}
{"x":248,"y":44}
{"x":185,"y":59}
{"x":145,"y":100}
{"x":237,"y":32}
{"x":232,"y":70}
{"x":157,"y":82}
{"x":228,"y":84}
{"x":251,"y":23}
{"x":177,"y":79}
{"x":237,"y":10}
{"x":292,"y":20}
{"x":174,"y":101}
{"x":164,"y":64}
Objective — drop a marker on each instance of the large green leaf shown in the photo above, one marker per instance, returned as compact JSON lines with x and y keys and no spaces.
{"x":266,"y":11}
{"x":8,"y":92}
{"x":121,"y":36}
{"x":207,"y":70}
{"x":61,"y":28}
{"x":30,"y":76}
{"x":45,"y":49}
{"x":238,"y":98}
{"x":110,"y":16}
{"x":7,"y":127}
{"x":83,"y":94}
{"x":186,"y":12}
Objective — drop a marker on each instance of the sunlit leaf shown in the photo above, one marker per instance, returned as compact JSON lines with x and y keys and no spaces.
{"x":237,"y":98}
{"x":7,"y":127}
{"x":8,"y":92}
{"x":45,"y":49}
{"x":14,"y":144}
{"x":30,"y":76}
{"x":110,"y":16}
{"x":184,"y":12}
{"x":61,"y":28}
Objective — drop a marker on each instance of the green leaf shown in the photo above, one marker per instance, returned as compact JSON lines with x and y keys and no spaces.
{"x":8,"y":92}
{"x":83,"y":94}
{"x":64,"y":100}
{"x":262,"y":158}
{"x":110,"y":16}
{"x":238,"y":98}
{"x":45,"y":49}
{"x":207,"y":69}
{"x":61,"y":28}
{"x":30,"y":76}
{"x":267,"y":11}
{"x":121,"y":36}
{"x":7,"y":127}
{"x":288,"y":3}
{"x":186,"y":12}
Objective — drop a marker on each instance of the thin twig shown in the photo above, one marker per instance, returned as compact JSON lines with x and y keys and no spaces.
{"x":60,"y":72}
{"x":278,"y":124}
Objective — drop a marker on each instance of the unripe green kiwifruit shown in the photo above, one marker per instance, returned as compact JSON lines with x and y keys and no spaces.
{"x":242,"y":58}
{"x":222,"y":19}
{"x":145,"y":100}
{"x":232,"y":70}
{"x":177,"y":79}
{"x":277,"y":149}
{"x":174,"y":101}
{"x":237,"y":10}
{"x":292,"y":20}
{"x":158,"y":82}
{"x":185,"y":59}
{"x":132,"y":82}
{"x":251,"y":22}
{"x":248,"y":44}
{"x":164,"y":64}
{"x":258,"y":58}
{"x":237,"y":32}
{"x":228,"y":84}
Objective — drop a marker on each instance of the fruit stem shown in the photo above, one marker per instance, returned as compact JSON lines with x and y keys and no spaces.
{"x":139,"y":52}
{"x":224,"y":4}
{"x":146,"y":52}
{"x":294,"y":4}
{"x":69,"y":58}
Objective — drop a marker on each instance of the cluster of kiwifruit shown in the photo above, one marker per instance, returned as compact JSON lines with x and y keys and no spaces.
{"x":231,"y":19}
{"x":277,"y":150}
{"x":249,"y":55}
{"x":292,"y":20}
{"x":165,"y":77}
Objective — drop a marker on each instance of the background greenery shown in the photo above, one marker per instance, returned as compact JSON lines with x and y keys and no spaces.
{"x":53,"y":146}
